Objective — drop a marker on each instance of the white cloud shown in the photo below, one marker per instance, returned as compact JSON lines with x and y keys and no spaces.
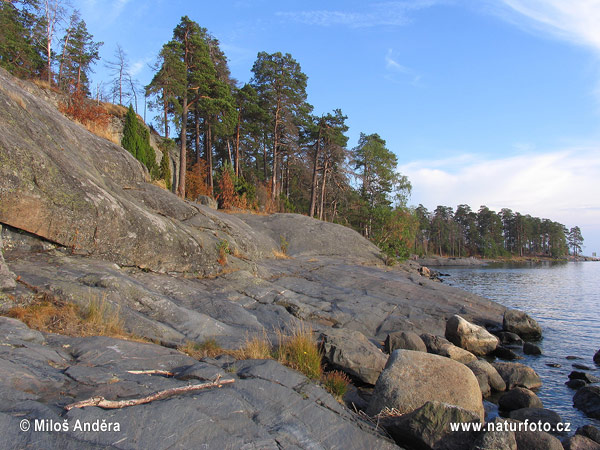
{"x":562,"y":186}
{"x":394,"y":69}
{"x":393,"y":13}
{"x":573,"y":20}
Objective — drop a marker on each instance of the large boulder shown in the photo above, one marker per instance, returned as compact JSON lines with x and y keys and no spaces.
{"x":520,"y":323}
{"x":537,"y":440}
{"x":518,"y":398}
{"x":516,"y":374}
{"x":496,"y":437}
{"x":406,"y":340}
{"x":531,"y":349}
{"x":589,"y":431}
{"x":537,"y":415}
{"x":488,"y":377}
{"x":428,"y":427}
{"x":411,"y":379}
{"x":469,"y":336}
{"x":351,"y":352}
{"x":579,"y":442}
{"x":587,"y":399}
{"x":443,"y":347}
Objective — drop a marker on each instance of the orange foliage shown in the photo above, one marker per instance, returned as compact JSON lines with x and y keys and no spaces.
{"x":227,"y":195}
{"x":85,"y":111}
{"x":195,"y":181}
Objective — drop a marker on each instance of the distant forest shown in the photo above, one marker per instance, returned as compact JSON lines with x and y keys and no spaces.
{"x":255,"y":145}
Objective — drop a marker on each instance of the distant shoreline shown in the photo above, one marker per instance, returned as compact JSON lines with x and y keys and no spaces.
{"x":442,"y":261}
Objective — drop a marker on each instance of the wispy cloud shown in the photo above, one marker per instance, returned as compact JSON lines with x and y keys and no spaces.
{"x":395,"y":70}
{"x":573,"y":20}
{"x":394,"y":13}
{"x":107,"y":11}
{"x":559,"y":185}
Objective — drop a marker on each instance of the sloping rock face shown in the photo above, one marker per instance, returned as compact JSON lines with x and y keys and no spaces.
{"x":7,"y":277}
{"x":62,"y":183}
{"x":268,"y":406}
{"x":411,"y":379}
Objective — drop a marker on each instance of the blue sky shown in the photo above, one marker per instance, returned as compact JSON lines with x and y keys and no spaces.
{"x":493,"y":102}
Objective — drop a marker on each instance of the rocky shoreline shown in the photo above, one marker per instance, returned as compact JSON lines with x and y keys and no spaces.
{"x":82,"y":226}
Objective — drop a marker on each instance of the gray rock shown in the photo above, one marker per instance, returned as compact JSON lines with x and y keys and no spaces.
{"x":579,"y":442}
{"x":581,"y":366}
{"x":208,"y":201}
{"x":428,"y":427}
{"x":440,"y":346}
{"x":597,"y":357}
{"x":508,"y":338}
{"x":537,"y":440}
{"x":531,"y":349}
{"x":7,"y":277}
{"x":12,"y":331}
{"x":506,"y":353}
{"x":200,"y":371}
{"x":520,"y":323}
{"x":536,"y":415}
{"x":516,"y":374}
{"x":499,"y":438}
{"x":411,"y":379}
{"x":587,"y":377}
{"x":469,"y":336}
{"x":518,"y":398}
{"x":576,"y":383}
{"x":589,"y":431}
{"x":353,"y":353}
{"x":587,"y":399}
{"x":487,"y":375}
{"x":406,"y":340}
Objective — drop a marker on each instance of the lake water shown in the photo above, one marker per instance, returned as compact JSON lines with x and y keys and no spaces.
{"x":565,"y":300}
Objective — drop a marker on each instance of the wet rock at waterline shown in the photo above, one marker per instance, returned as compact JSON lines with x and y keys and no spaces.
{"x":497,"y":439}
{"x":545,"y":416}
{"x":597,"y":357}
{"x":520,"y":323}
{"x":516,"y":374}
{"x":531,"y":349}
{"x":410,"y":379}
{"x":470,"y":337}
{"x":508,"y":338}
{"x":587,"y":377}
{"x":576,"y":383}
{"x":519,"y":398}
{"x":587,"y":399}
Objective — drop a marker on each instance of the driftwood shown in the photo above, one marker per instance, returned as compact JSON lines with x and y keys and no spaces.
{"x":165,"y":373}
{"x":114,"y":404}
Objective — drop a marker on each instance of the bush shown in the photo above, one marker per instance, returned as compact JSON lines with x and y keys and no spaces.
{"x":336,"y":383}
{"x":86,"y":112}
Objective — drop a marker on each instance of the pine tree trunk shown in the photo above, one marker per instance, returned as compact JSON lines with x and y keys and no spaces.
{"x":313,"y":191}
{"x":182,"y":155}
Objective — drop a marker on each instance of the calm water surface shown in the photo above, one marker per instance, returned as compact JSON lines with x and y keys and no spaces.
{"x":565,"y":300}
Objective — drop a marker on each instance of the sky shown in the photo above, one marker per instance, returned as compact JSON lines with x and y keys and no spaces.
{"x":484,"y":102}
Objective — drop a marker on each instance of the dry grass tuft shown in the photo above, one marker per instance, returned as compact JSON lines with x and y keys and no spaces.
{"x":198,"y":350}
{"x":51,"y":314}
{"x":257,"y":347}
{"x":300,"y":352}
{"x":280,"y":255}
{"x":336,"y":383}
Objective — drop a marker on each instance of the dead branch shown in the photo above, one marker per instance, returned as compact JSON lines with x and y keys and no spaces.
{"x":114,"y":404}
{"x":165,"y":373}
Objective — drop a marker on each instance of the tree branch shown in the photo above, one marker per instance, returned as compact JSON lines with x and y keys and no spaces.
{"x":114,"y":404}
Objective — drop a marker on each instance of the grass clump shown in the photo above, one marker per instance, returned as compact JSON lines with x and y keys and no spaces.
{"x":51,"y":314}
{"x":300,"y":352}
{"x":336,"y":383}
{"x":223,"y":250}
{"x":198,"y":350}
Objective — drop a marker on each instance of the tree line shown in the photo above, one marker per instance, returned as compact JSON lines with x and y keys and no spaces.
{"x":489,"y":234}
{"x":259,"y":144}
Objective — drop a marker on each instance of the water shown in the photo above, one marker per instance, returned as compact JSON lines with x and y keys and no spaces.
{"x":565,"y":300}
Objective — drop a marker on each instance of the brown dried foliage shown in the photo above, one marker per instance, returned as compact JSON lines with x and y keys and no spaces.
{"x":195,"y":180}
{"x":79,"y":108}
